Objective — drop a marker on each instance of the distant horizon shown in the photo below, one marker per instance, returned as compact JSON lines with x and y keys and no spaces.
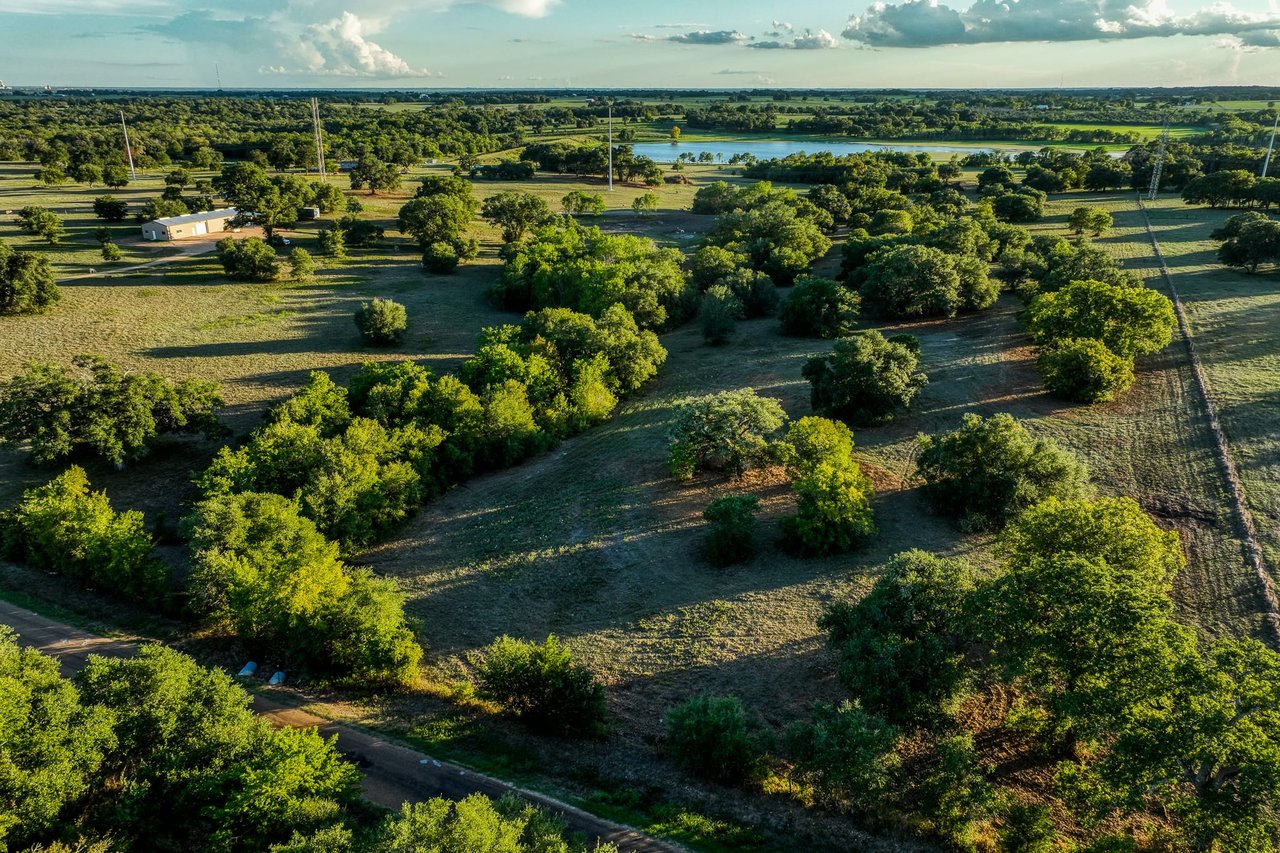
{"x":36,"y":87}
{"x":523,"y":44}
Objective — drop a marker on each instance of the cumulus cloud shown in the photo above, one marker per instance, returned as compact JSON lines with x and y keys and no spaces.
{"x":821,"y":40}
{"x":709,"y":37}
{"x":925,"y":23}
{"x":338,"y":47}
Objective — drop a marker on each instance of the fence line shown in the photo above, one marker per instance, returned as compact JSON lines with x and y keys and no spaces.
{"x":1248,"y":532}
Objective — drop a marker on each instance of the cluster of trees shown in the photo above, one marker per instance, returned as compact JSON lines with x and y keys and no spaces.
{"x":592,"y":160}
{"x":254,"y":259}
{"x":733,"y":431}
{"x":1138,"y":711}
{"x":567,"y":265}
{"x":778,"y":232}
{"x":272,"y":201}
{"x":159,"y":752}
{"x":440,"y":211}
{"x":97,"y":409}
{"x":1089,"y":333}
{"x":1249,"y":241}
{"x":334,"y":468}
{"x":65,"y":528}
{"x":43,"y":223}
{"x":1232,"y":188}
{"x":27,"y":285}
{"x":263,"y":571}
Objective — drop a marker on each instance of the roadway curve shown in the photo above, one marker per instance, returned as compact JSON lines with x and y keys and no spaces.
{"x":393,"y":774}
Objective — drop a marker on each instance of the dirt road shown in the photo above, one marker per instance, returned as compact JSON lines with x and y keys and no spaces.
{"x":393,"y":774}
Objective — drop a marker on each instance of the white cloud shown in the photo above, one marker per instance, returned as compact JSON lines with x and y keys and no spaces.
{"x":809,"y":40}
{"x":339,"y":47}
{"x":924,"y":23}
{"x":709,"y":37}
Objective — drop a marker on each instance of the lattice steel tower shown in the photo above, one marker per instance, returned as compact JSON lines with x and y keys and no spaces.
{"x":1159,"y":164}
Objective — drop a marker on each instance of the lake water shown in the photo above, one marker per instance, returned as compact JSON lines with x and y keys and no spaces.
{"x":767,"y":149}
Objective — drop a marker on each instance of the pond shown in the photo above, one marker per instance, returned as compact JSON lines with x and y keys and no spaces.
{"x":767,"y":149}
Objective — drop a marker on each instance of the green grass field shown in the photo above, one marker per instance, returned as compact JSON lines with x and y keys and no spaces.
{"x":1234,"y":317}
{"x":597,"y":543}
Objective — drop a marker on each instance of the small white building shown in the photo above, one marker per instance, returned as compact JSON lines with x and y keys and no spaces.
{"x":188,"y":225}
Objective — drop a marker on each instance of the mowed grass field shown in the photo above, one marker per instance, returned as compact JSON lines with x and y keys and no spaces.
{"x":1235,"y":319}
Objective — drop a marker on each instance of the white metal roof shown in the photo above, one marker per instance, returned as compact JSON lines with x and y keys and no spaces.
{"x":205,"y":216}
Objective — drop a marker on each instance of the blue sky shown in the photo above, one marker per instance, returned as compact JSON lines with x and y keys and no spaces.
{"x":662,"y":43}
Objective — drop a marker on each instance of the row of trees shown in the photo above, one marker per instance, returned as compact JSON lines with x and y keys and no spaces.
{"x":340,"y":467}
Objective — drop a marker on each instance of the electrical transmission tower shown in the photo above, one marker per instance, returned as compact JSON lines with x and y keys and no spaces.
{"x":1159,"y":164}
{"x":1266,"y":164}
{"x":128,"y":149}
{"x":315,"y":123}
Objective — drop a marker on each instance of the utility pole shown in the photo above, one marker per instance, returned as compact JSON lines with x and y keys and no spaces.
{"x":610,"y":146}
{"x":1266,"y":164}
{"x":128,"y":149}
{"x":315,"y":123}
{"x":1159,"y":164}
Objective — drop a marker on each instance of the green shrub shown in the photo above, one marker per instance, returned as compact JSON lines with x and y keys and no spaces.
{"x":333,"y":242}
{"x":834,"y":511}
{"x":866,"y":379}
{"x":474,"y":824}
{"x":812,"y":441}
{"x":64,"y":527}
{"x":301,"y":265}
{"x":250,"y":259}
{"x":731,"y":537}
{"x":1027,"y":828}
{"x":847,"y":755}
{"x":902,"y":646}
{"x":755,"y":290}
{"x":1083,"y":370}
{"x":101,"y":410}
{"x":727,"y":431}
{"x":440,"y":258}
{"x":111,"y":252}
{"x":989,"y":470}
{"x":382,"y":322}
{"x":955,"y":796}
{"x":541,"y":686}
{"x":819,"y":308}
{"x":712,"y":737}
{"x":718,"y":314}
